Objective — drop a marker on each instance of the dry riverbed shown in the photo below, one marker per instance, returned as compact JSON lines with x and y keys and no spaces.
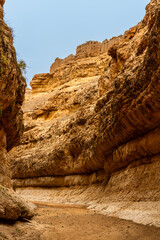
{"x":64,"y":222}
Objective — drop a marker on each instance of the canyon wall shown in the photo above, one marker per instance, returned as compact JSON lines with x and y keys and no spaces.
{"x":94,"y":121}
{"x":11,"y":98}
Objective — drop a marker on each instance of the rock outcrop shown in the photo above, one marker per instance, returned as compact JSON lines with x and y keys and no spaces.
{"x":69,"y":69}
{"x":95,"y":119}
{"x":86,"y":50}
{"x":91,"y":60}
{"x":11,"y":126}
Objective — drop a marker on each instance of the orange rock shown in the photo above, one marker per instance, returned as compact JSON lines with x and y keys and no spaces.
{"x":97,"y":112}
{"x":12,"y":85}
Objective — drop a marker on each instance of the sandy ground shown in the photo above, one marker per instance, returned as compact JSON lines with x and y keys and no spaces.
{"x":63,"y":222}
{"x":93,"y":197}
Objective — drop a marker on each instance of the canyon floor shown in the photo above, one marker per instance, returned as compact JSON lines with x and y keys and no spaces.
{"x":55,"y":221}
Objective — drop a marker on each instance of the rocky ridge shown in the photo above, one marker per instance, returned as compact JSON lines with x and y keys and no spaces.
{"x":93,"y":121}
{"x":11,"y":126}
{"x":90,"y":60}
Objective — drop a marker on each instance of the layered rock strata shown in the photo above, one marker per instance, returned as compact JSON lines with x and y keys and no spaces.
{"x":11,"y":98}
{"x":91,"y":60}
{"x":88,"y":125}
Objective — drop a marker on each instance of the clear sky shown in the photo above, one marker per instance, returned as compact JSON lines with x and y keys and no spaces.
{"x":44,"y":30}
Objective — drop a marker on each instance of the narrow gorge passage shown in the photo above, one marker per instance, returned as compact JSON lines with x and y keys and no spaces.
{"x":92,"y":127}
{"x":80,"y":151}
{"x":59,"y":222}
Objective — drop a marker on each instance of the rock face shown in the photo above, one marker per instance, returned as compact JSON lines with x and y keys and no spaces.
{"x":11,"y":98}
{"x":91,"y":60}
{"x":96,"y":118}
{"x":69,"y":69}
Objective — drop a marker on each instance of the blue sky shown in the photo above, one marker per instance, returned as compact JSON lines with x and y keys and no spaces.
{"x":44,"y":30}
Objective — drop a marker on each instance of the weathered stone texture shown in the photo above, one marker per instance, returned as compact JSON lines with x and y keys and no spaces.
{"x":12,"y":91}
{"x":98,"y":113}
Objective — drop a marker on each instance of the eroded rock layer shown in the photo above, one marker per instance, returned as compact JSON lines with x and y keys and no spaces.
{"x":12,"y":88}
{"x":96,"y":118}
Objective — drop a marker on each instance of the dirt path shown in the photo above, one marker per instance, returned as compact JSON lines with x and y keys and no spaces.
{"x":62,"y":222}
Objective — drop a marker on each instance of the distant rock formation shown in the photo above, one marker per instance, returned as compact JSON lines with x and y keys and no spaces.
{"x":86,"y":50}
{"x":12,"y":91}
{"x":96,"y":118}
{"x":91,"y":59}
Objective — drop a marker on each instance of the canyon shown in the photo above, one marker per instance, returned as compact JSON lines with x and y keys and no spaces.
{"x":91,"y":133}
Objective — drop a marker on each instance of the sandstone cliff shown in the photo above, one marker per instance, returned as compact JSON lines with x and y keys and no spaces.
{"x":11,"y":98}
{"x":91,"y":60}
{"x":95,"y":119}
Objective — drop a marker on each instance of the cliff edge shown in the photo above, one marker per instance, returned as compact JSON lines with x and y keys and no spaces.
{"x":11,"y":126}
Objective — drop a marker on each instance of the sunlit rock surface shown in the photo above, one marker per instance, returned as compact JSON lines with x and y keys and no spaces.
{"x":94,"y":120}
{"x":12,"y":89}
